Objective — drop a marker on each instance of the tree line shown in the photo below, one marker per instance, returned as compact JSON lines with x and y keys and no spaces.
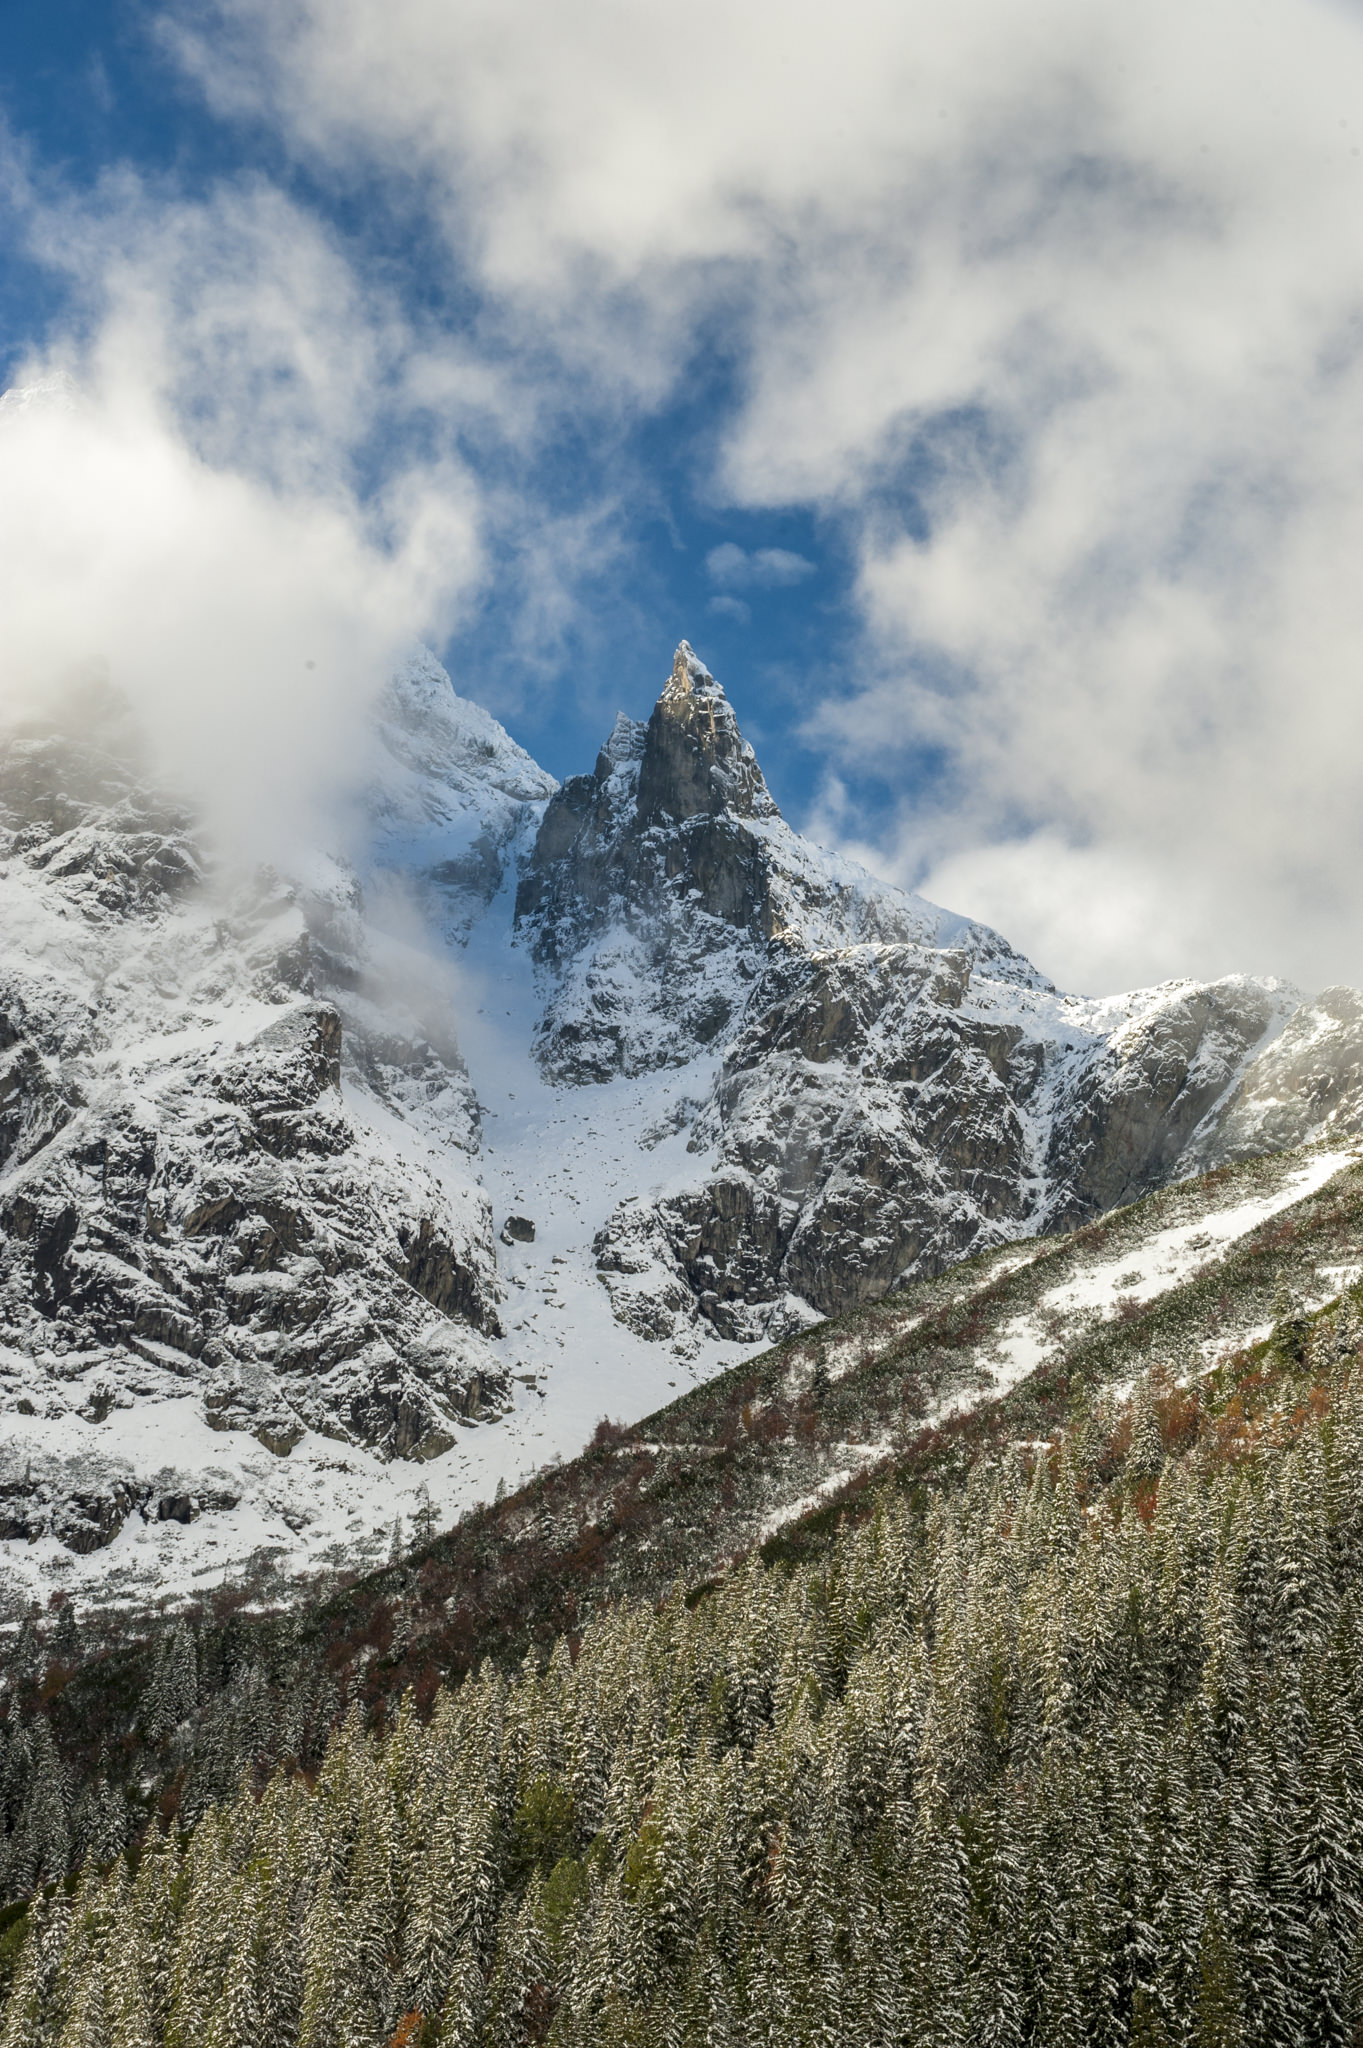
{"x":1070,"y":1754}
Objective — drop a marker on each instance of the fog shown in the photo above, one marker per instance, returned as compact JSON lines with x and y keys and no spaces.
{"x":178,"y":510}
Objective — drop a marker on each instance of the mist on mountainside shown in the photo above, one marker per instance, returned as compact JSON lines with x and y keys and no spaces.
{"x":248,"y":624}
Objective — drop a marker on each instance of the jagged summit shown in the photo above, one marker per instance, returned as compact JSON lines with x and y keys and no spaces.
{"x":451,"y":796}
{"x":659,"y":884}
{"x":696,"y":762}
{"x":625,"y":743}
{"x":690,"y":677}
{"x":454,"y":747}
{"x":255,"y":1144}
{"x":893,"y":1086}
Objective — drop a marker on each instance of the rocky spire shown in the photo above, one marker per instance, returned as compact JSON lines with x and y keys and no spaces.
{"x":625,"y":744}
{"x":696,"y":761}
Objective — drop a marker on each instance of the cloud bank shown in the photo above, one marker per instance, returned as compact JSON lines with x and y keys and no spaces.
{"x":1057,"y":309}
{"x":1055,"y":314}
{"x":180,"y":505}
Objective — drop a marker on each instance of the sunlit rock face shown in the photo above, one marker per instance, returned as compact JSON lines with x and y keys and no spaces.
{"x":695,"y":762}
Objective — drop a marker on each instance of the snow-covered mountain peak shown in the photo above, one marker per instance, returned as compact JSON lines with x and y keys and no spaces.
{"x":624,"y":745}
{"x":452,"y":799}
{"x":451,"y":744}
{"x":696,"y":762}
{"x":689,"y":677}
{"x":57,"y":392}
{"x":261,"y":1148}
{"x":661,"y":889}
{"x":235,"y":1224}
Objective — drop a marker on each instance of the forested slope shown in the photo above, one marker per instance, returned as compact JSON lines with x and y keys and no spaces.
{"x":1043,"y":1728}
{"x":1070,"y":1753}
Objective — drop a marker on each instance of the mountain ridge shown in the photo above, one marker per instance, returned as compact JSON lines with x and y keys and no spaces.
{"x":1221,"y":1309}
{"x":736,"y":1083}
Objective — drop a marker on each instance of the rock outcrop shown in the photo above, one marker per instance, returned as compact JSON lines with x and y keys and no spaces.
{"x":894,"y":1087}
{"x":193,"y":1193}
{"x":662,"y":886}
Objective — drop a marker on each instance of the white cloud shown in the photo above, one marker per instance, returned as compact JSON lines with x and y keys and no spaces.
{"x":179,"y":504}
{"x":1058,"y":308}
{"x":1086,"y":910}
{"x":735,"y":568}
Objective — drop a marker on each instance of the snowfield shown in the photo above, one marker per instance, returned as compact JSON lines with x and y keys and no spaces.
{"x":1164,"y":1260}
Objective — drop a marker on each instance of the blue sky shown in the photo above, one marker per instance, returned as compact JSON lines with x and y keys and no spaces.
{"x":88,"y":88}
{"x":979,"y":391}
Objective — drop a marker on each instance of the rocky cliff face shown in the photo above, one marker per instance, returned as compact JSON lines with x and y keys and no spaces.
{"x":190,"y":1199}
{"x":251,"y":1265}
{"x":1307,"y":1084}
{"x":897,"y":1087}
{"x":661,"y":887}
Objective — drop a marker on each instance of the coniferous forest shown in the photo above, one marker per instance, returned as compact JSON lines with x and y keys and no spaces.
{"x":681,"y":1318}
{"x":1068,"y":1751}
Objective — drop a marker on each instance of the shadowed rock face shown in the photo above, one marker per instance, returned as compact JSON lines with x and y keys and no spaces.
{"x":897,"y":1089}
{"x":875,"y":1119}
{"x":188,"y":1200}
{"x":661,"y":823}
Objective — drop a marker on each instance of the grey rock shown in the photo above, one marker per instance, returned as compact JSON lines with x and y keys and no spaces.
{"x":897,"y":1088}
{"x":1306,"y":1084}
{"x":661,"y":888}
{"x":1125,"y":1126}
{"x":187,"y":1185}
